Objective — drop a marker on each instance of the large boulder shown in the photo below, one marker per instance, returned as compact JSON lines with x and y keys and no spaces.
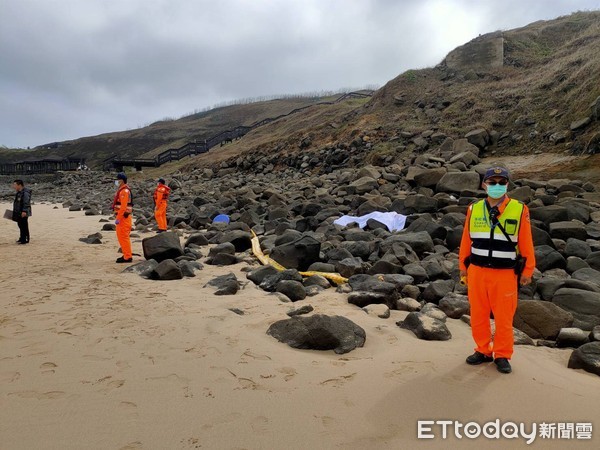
{"x":437,"y":290}
{"x":455,"y":305}
{"x":425,"y":327}
{"x":420,"y":241}
{"x":163,"y":246}
{"x":362,"y":298}
{"x":144,"y":269}
{"x":549,"y":214}
{"x":364,"y":185}
{"x":368,"y":283}
{"x":566,"y":230}
{"x":241,"y":240}
{"x":294,"y":290}
{"x":429,"y":177}
{"x":458,"y":182}
{"x":586,"y":357}
{"x":225,"y":284}
{"x":547,"y":258}
{"x":167,"y":270}
{"x":540,"y":319}
{"x":299,"y":254}
{"x":572,"y":337}
{"x":319,"y":332}
{"x":584,"y":305}
{"x":479,"y":137}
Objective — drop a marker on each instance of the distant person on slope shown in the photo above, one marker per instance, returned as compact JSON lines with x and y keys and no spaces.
{"x":161,"y":198}
{"x":496,"y":254}
{"x":22,"y":210}
{"x":123,"y":208}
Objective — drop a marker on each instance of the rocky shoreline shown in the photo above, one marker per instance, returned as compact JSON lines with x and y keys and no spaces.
{"x":414,"y":270}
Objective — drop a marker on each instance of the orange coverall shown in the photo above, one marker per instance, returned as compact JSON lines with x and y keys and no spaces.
{"x":123,"y":197}
{"x":495,"y":290}
{"x":161,"y":194}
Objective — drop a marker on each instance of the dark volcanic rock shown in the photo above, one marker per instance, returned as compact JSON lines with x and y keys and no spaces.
{"x":294,"y":290}
{"x":225,"y":284}
{"x":222,"y":259}
{"x":584,"y":305}
{"x":572,"y":337}
{"x":241,"y":240}
{"x":425,"y":327}
{"x":144,"y":269}
{"x":547,"y":258}
{"x":319,"y":332}
{"x":586,"y":357}
{"x":455,"y":305}
{"x":188,"y":268}
{"x":258,"y":275}
{"x":299,"y":254}
{"x":196,"y":239}
{"x":368,"y":283}
{"x":305,"y":309}
{"x":167,"y":270}
{"x":540,"y":319}
{"x":162,"y":247}
{"x":362,"y":298}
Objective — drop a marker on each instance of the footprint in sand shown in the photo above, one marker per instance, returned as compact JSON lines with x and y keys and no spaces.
{"x":123,"y":365}
{"x":48,"y":368}
{"x":288,"y":373}
{"x":108,"y":384}
{"x":192,"y":442}
{"x":174,"y":378}
{"x":260,"y":425}
{"x":39,"y":395}
{"x":132,"y":446}
{"x":256,"y":356}
{"x":9,"y":377}
{"x":407,"y":367}
{"x":338,"y":381}
{"x":129,"y":407}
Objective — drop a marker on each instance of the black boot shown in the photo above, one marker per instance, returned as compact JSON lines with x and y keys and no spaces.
{"x":123,"y":260}
{"x":503,"y":365}
{"x":478,"y":358}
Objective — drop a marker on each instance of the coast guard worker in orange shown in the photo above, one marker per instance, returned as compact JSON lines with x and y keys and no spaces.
{"x":123,"y":208}
{"x":161,"y":197}
{"x":496,"y":254}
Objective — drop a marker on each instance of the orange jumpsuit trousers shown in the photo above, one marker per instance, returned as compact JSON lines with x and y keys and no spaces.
{"x":492,"y":290}
{"x":123,"y":230}
{"x":160,"y":214}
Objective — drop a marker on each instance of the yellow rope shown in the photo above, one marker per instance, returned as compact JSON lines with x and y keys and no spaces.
{"x":267,"y":261}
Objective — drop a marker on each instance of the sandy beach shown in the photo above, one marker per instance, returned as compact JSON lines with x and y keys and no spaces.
{"x":91,"y":358}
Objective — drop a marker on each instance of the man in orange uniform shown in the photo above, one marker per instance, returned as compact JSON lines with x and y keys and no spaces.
{"x":123,"y":208}
{"x":161,"y":197}
{"x":495,"y":252}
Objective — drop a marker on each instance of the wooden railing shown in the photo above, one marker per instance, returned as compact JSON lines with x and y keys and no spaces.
{"x":196,"y":148}
{"x":41,"y":166}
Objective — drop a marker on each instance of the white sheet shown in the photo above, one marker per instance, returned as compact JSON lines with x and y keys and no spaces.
{"x":392,"y":220}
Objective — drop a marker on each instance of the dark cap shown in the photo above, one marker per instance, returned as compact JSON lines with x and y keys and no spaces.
{"x":496,"y":172}
{"x":161,"y":180}
{"x":122,"y":176}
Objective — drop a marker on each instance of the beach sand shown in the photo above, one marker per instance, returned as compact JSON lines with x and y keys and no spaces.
{"x":91,"y":358}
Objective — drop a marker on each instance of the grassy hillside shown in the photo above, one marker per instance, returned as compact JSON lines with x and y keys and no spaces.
{"x":549,"y":77}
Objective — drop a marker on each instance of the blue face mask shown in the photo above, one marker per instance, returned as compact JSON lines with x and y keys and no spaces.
{"x":497,"y":190}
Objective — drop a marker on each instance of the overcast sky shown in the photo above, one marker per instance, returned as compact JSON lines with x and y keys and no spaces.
{"x":73,"y":68}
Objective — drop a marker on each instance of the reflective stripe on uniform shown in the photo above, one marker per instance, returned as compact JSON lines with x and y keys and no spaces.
{"x":495,"y":253}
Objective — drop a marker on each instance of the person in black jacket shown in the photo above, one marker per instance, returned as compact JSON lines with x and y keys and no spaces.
{"x":22,"y":210}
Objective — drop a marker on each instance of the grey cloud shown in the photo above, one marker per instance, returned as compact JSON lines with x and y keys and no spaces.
{"x":72,"y":68}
